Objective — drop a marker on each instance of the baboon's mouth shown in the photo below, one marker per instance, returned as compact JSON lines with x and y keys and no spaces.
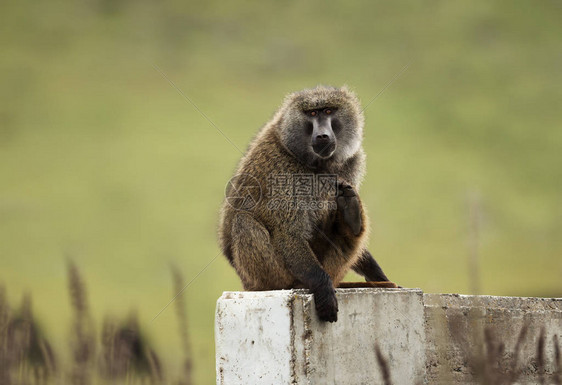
{"x":324,"y":150}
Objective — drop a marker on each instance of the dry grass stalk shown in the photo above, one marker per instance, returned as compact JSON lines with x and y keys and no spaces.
{"x":5,"y":315}
{"x":515,"y":371}
{"x":557,"y":362}
{"x":185,"y":378}
{"x":26,"y":357}
{"x":83,"y":338}
{"x":540,"y":357}
{"x":494,"y":366}
{"x":475,"y":219}
{"x":383,"y":365}
{"x":126,"y":354}
{"x":488,"y":359}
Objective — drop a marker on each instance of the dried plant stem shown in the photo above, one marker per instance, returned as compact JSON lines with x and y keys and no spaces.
{"x":183,"y":326}
{"x":83,"y":340}
{"x":557,"y":362}
{"x":383,"y":365}
{"x":540,"y":356}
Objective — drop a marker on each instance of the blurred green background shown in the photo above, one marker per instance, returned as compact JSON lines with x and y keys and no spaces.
{"x":102,"y":160}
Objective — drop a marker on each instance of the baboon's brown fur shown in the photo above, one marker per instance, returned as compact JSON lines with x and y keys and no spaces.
{"x":294,"y":248}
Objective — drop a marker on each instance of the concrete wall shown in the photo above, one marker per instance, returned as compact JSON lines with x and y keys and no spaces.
{"x":275,"y":337}
{"x":462,"y":329}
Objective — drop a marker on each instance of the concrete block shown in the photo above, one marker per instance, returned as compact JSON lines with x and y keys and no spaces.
{"x":275,"y":337}
{"x":455,"y":330}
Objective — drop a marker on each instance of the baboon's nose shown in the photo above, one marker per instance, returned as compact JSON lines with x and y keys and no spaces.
{"x":321,"y":140}
{"x":323,"y":145}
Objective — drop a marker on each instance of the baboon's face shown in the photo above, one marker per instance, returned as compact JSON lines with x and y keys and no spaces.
{"x":319,"y":128}
{"x":322,"y":124}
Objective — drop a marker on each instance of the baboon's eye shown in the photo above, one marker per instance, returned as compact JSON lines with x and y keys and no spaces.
{"x":327,"y":111}
{"x":312,"y":113}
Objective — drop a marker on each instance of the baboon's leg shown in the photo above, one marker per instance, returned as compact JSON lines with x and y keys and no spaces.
{"x":336,"y":261}
{"x":253,"y":256}
{"x":369,"y":268}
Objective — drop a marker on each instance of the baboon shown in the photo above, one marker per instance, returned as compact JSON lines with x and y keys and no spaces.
{"x":292,"y":217}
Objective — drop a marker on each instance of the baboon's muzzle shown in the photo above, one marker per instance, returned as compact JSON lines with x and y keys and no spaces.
{"x":323,"y":139}
{"x":324,"y":146}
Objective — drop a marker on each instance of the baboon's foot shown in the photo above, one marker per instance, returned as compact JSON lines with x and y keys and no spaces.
{"x":350,"y":207}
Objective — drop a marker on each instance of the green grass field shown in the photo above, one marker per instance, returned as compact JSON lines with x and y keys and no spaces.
{"x":103,"y":161}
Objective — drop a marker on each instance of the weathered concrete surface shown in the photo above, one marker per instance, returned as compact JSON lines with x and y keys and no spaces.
{"x":456,"y":340}
{"x":253,"y":338}
{"x":276,"y":338}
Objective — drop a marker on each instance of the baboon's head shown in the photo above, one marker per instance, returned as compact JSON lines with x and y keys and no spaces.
{"x":321,"y":123}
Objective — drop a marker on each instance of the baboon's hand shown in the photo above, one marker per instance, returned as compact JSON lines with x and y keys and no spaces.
{"x":326,"y":303}
{"x":349,"y":206}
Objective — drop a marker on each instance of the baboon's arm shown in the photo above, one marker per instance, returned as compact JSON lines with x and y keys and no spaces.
{"x":301,"y":262}
{"x":369,"y":268}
